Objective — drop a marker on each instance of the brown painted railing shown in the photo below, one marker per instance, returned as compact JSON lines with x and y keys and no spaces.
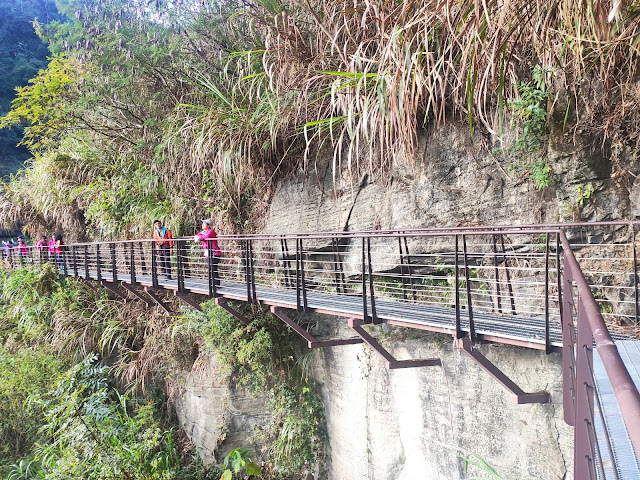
{"x":516,"y":273}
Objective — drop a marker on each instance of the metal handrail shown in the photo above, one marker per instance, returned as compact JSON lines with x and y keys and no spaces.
{"x":591,"y":331}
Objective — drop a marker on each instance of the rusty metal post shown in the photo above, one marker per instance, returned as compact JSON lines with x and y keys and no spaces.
{"x":547,"y":340}
{"x":303,"y":282}
{"x":365,"y":312}
{"x":336,"y":265}
{"x":508,"y":275}
{"x":402,"y":278}
{"x":132,"y":263}
{"x":98,"y":263}
{"x":374,"y":316}
{"x":86,"y":262}
{"x":408,"y":259}
{"x":568,"y":348}
{"x":635,"y":272}
{"x":459,"y":332}
{"x":583,"y":455}
{"x":285,"y":261}
{"x":114,"y":268}
{"x":154,"y":265}
{"x":180,"y":244}
{"x":210,"y":279}
{"x":496,"y":274}
{"x":472,"y":329}
{"x":74,"y":254}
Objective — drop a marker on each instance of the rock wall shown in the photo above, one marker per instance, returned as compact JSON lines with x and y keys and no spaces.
{"x":422,"y":422}
{"x":419,"y":423}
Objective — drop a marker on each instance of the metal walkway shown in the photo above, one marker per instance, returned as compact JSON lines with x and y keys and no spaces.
{"x":501,"y":328}
{"x":518,"y":285}
{"x":611,"y":431}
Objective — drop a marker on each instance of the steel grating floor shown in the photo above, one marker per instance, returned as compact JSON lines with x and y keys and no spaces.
{"x":499,"y":327}
{"x":627,"y":464}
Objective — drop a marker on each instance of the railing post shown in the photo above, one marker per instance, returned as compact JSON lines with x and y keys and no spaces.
{"x":212,"y":287}
{"x":472,"y":329}
{"x":402,"y":277}
{"x":496,"y":274}
{"x":114,"y":268}
{"x":285,"y":260}
{"x":459,"y":333}
{"x":301,"y":291}
{"x":374,"y":316}
{"x":568,"y":347}
{"x":365,"y":313}
{"x":74,"y":258}
{"x":132,"y":263}
{"x":547,"y":340}
{"x":635,"y":272}
{"x":86,"y":262}
{"x":508,"y":275}
{"x":179,"y":264}
{"x":98,"y":263}
{"x":584,"y":464}
{"x":337,"y":265}
{"x":154,"y":266}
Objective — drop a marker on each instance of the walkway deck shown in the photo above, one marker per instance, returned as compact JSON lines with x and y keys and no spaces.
{"x":502,"y":328}
{"x":627,"y":464}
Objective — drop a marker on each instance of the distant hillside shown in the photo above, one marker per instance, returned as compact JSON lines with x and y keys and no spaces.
{"x":22,"y":54}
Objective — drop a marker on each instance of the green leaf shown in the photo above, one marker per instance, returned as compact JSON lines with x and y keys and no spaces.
{"x":253,"y":469}
{"x":226,"y":475}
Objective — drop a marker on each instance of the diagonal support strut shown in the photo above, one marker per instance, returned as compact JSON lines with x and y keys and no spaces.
{"x":159,"y":301}
{"x":136,"y":293}
{"x":312,"y":342}
{"x":222,"y":303}
{"x":113,"y":289}
{"x":519,"y":396}
{"x":188,"y":300}
{"x":392,"y":363}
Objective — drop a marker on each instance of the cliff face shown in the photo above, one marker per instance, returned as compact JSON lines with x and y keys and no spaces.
{"x":421,"y":422}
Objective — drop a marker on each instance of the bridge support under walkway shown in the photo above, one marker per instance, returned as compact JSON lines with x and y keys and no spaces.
{"x":519,"y":396}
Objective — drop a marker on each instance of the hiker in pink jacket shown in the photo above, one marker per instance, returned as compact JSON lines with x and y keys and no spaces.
{"x":22,"y":250}
{"x":208,"y":234}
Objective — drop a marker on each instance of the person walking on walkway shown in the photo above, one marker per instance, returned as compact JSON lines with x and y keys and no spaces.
{"x":208,"y":236}
{"x":22,"y":251}
{"x":163,"y":243}
{"x":52,"y":249}
{"x":58,"y":248}
{"x":40,"y":246}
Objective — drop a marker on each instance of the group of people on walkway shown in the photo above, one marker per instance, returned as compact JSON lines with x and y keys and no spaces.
{"x":52,"y":250}
{"x":47,"y":251}
{"x":163,"y":246}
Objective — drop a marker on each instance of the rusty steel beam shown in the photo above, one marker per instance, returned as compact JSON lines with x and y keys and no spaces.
{"x":391,"y":362}
{"x":519,"y":395}
{"x":137,"y":294}
{"x":222,"y":303}
{"x":188,"y":300}
{"x":159,"y":301}
{"x":113,"y":289}
{"x":312,"y":342}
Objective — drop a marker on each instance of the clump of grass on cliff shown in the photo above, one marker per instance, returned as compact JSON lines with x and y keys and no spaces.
{"x":263,"y":358}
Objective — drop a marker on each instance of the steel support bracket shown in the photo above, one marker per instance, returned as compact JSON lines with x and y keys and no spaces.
{"x":392,"y":363}
{"x":519,"y":396}
{"x":222,"y":303}
{"x":136,"y":293}
{"x":112,"y":287}
{"x":158,"y":300}
{"x":89,"y":284}
{"x":312,"y":342}
{"x":188,"y":300}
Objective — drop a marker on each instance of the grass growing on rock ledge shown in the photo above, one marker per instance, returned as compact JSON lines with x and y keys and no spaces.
{"x":262,"y":358}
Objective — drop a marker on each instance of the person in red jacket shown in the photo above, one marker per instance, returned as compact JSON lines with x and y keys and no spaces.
{"x":163,"y":245}
{"x":206,"y":236}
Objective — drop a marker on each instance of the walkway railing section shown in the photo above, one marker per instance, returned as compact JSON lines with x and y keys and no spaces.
{"x":517,"y":273}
